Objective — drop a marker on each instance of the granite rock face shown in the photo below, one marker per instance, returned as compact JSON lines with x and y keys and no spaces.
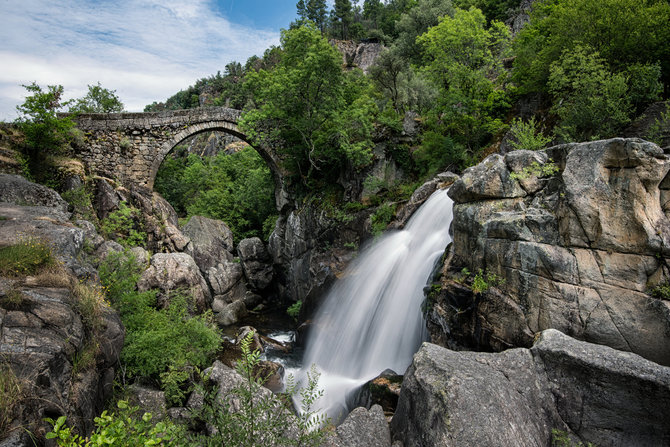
{"x":170,"y":272}
{"x":592,"y":393}
{"x":256,"y":263}
{"x":580,"y":233}
{"x":211,"y":242}
{"x":42,"y":332}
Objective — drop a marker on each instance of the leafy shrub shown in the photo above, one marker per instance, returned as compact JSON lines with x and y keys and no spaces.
{"x":381,"y":218}
{"x":484,"y":280}
{"x":536,"y":169}
{"x":25,"y":258}
{"x":124,"y":225}
{"x":160,"y":344}
{"x":661,"y":291}
{"x":560,"y":438}
{"x":591,"y":101}
{"x":294,"y":310}
{"x":248,"y":418}
{"x":45,"y":132}
{"x":527,"y":136}
{"x":118,"y":429}
{"x":81,"y":201}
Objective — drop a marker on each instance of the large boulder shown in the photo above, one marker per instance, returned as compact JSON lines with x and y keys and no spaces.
{"x":170,"y":272}
{"x":589,"y":392}
{"x":362,"y":427}
{"x":211,"y":242}
{"x":17,"y":190}
{"x":579,"y":234}
{"x":256,"y":262}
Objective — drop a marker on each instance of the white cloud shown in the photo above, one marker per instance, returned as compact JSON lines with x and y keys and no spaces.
{"x":146,"y":50}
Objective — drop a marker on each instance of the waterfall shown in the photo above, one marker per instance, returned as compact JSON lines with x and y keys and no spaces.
{"x":371,"y":320}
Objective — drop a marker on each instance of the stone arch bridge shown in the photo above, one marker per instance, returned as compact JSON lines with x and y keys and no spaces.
{"x":130,"y":147}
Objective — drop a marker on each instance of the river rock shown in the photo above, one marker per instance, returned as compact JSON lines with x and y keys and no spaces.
{"x":362,"y":427}
{"x":231,"y":313}
{"x":94,"y":240}
{"x":148,"y":400}
{"x":256,"y":263}
{"x":224,"y":277}
{"x":160,"y":221}
{"x":211,"y":242}
{"x":578,"y":247}
{"x":592,"y":393}
{"x":170,"y":272}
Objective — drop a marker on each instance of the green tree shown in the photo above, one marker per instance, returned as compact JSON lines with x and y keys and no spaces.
{"x":462,"y":59}
{"x":415,"y":22}
{"x":623,"y":32}
{"x":317,"y":12}
{"x":46,"y":133}
{"x":317,"y":116}
{"x":342,"y":17}
{"x":590,"y":100}
{"x":97,"y":100}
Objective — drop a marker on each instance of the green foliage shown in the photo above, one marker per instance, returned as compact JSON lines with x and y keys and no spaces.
{"x":484,"y":280}
{"x":560,"y":438}
{"x":81,"y":200}
{"x":125,"y":226}
{"x":623,"y":32}
{"x":463,"y":59}
{"x":249,"y":417}
{"x":381,"y":218}
{"x":317,"y":116}
{"x":590,"y":101}
{"x":415,"y":21}
{"x":160,"y":344}
{"x":122,"y":428}
{"x":438,"y":152}
{"x":45,"y":132}
{"x":404,"y":88}
{"x":526,"y":135}
{"x":535,"y":169}
{"x":294,"y":310}
{"x":237,"y":189}
{"x":659,"y":127}
{"x":661,"y":291}
{"x":97,"y":100}
{"x":500,"y":10}
{"x":27,"y":257}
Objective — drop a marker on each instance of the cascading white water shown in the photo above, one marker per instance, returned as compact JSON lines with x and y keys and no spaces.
{"x":371,"y":320}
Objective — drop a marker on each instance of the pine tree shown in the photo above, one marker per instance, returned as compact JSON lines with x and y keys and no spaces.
{"x":302,"y":9}
{"x":342,"y":16}
{"x":317,"y":13}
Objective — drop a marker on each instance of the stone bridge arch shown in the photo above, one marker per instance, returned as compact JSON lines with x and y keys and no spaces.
{"x":130,"y":147}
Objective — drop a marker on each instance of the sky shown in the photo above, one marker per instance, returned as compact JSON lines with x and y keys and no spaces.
{"x":146,"y":50}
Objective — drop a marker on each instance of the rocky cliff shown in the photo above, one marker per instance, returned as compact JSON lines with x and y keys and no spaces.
{"x":579,"y":235}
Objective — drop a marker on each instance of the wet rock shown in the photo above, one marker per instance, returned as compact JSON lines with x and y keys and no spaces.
{"x":170,"y":272}
{"x":231,"y":313}
{"x":256,"y":263}
{"x":362,"y":427}
{"x":256,"y":344}
{"x":211,"y":242}
{"x":383,"y":390}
